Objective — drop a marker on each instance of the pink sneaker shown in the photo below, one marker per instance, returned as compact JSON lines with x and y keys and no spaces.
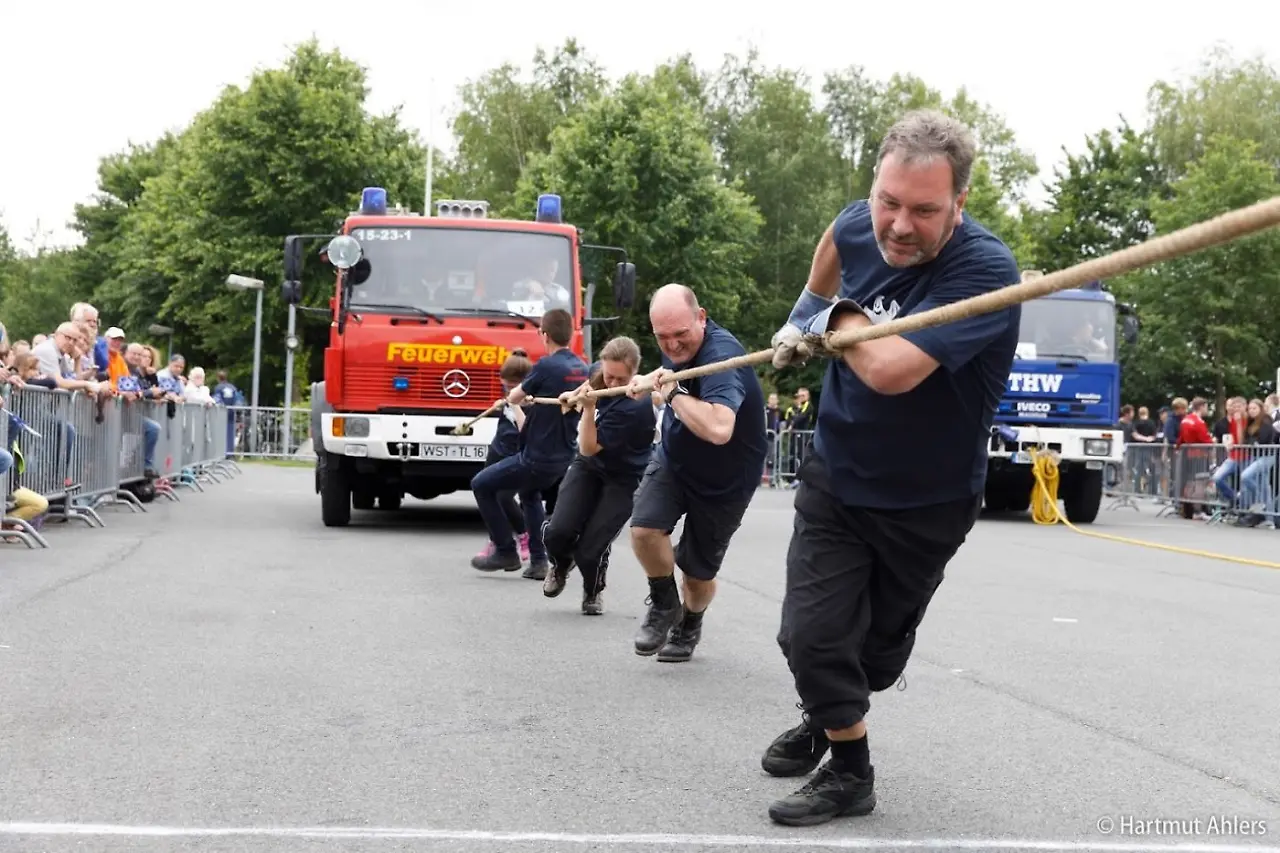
{"x":487,"y":550}
{"x":523,"y":541}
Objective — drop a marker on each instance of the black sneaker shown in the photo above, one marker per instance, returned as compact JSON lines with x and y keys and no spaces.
{"x":537,"y":570}
{"x":684,"y":639}
{"x":553,"y":585}
{"x":496,"y":562}
{"x":592,"y":605}
{"x":798,"y":751}
{"x":657,"y":626}
{"x":829,"y":794}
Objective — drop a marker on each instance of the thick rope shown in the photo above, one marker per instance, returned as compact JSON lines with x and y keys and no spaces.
{"x":1194,"y":238}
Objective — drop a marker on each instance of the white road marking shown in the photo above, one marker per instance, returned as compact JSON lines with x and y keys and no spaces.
{"x":1065,"y":619}
{"x":623,"y":839}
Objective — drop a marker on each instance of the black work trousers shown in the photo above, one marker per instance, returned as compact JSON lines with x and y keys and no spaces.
{"x":858,"y":583}
{"x":591,"y":509}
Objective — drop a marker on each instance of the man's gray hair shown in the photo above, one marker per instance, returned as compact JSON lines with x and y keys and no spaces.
{"x":921,"y":135}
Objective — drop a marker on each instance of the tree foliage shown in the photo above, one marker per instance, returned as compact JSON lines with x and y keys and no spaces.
{"x":723,"y":178}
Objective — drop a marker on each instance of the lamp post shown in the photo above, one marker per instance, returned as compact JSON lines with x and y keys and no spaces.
{"x":291,"y":344}
{"x":162,"y":331}
{"x":240,"y":282}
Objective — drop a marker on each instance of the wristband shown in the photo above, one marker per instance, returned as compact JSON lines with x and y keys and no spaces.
{"x":808,"y":306}
{"x":818,"y":324}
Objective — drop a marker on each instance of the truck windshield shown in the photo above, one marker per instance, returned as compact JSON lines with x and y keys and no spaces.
{"x":441,"y":270}
{"x":1068,"y":328}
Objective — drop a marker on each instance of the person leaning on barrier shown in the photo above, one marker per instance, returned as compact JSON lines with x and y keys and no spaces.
{"x":615,"y":443}
{"x":706,"y":469}
{"x":875,"y":526}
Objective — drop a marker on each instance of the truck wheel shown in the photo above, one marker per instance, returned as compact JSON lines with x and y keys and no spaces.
{"x":1083,"y":496}
{"x":362,"y":499}
{"x":335,"y":492}
{"x":390,"y":501}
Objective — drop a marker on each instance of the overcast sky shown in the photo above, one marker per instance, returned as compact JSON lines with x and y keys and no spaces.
{"x":86,"y":79}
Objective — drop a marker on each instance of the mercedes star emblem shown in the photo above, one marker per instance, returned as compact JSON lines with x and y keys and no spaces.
{"x":456,"y":383}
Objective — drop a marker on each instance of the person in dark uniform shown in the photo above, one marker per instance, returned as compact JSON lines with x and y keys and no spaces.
{"x":615,"y":443}
{"x":875,"y":527}
{"x":706,"y":469}
{"x":547,"y":443}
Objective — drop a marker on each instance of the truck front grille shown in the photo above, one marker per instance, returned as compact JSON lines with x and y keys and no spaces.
{"x":375,"y":386}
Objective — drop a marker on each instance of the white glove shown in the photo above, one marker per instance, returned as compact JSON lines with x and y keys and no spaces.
{"x":790,"y":346}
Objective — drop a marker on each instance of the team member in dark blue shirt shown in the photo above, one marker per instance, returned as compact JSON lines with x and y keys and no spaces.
{"x":895,"y":479}
{"x":706,"y":468}
{"x":615,"y":442}
{"x":547,"y":442}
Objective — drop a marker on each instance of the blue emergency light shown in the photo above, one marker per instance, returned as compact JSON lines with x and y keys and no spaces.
{"x":548,"y":208}
{"x":400,"y":383}
{"x":373,"y":201}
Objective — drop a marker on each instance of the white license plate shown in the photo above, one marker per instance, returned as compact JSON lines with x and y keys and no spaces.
{"x":444,"y":452}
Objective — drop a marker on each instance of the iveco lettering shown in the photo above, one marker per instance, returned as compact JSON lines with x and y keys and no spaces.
{"x":425,"y":309}
{"x":1063,"y":394}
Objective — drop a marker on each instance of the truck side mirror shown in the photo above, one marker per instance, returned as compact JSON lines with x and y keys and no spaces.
{"x":292,"y":259}
{"x":1129,"y":328}
{"x":624,"y":286}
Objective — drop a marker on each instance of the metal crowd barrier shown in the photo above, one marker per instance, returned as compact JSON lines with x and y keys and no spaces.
{"x":1212,"y":482}
{"x":787,"y":450}
{"x":80,"y":454}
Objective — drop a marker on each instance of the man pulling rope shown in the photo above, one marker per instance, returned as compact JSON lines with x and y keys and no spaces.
{"x":706,"y":469}
{"x":874,"y":529}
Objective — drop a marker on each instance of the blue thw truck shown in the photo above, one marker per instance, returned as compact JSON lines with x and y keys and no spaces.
{"x":1063,"y":395}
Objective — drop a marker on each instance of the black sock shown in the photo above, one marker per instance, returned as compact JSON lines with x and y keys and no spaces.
{"x":664,"y":591}
{"x":851,"y":756}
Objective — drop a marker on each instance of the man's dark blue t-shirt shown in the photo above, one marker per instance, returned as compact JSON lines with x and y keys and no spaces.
{"x":928,"y":445}
{"x":624,"y":429}
{"x":550,"y":437}
{"x":731,"y":470}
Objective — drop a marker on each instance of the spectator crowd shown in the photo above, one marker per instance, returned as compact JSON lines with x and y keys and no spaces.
{"x":102,"y":365}
{"x":1227,"y":470}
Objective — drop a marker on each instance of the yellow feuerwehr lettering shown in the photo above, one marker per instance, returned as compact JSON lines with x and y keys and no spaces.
{"x":445,"y":354}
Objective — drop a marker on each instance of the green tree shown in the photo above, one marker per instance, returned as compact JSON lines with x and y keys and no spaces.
{"x":43,"y":290}
{"x":1229,"y":97}
{"x":1207,"y":317}
{"x":635,"y":169}
{"x":862,"y":110}
{"x":774,"y":143}
{"x":287,"y":154}
{"x":1100,"y":199}
{"x":506,"y":120}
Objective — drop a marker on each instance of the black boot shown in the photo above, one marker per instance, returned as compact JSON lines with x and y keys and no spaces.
{"x":684,"y":639}
{"x":664,"y":613}
{"x":798,"y":751}
{"x":554,"y":582}
{"x":592,"y":604}
{"x":831,"y":793}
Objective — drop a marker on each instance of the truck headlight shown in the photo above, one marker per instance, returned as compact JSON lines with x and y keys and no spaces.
{"x":1097,"y":447}
{"x":351,"y":427}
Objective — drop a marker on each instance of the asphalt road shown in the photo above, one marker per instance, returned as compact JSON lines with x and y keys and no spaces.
{"x":226,"y":674}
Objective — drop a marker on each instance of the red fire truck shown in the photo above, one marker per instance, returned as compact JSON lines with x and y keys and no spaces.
{"x":425,"y":311}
